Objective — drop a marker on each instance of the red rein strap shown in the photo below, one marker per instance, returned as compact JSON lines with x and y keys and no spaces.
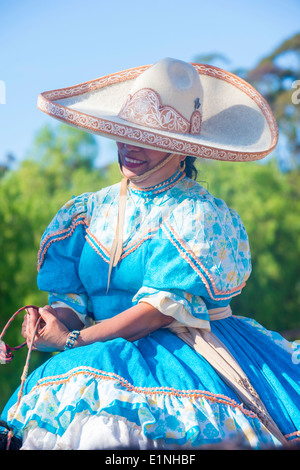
{"x":6,"y":356}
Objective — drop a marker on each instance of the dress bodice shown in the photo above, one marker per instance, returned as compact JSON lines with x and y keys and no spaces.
{"x":179,"y":243}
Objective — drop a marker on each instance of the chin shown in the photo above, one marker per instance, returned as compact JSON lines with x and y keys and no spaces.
{"x":129,"y":173}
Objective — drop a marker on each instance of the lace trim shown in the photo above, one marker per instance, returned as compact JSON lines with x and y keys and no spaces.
{"x":154,"y":391}
{"x":158,"y":188}
{"x":57,"y":236}
{"x":199,"y":267}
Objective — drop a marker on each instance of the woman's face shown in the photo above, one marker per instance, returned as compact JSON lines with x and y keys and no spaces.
{"x":135,"y":161}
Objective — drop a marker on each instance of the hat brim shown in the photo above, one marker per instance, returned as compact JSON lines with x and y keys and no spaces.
{"x":237,"y":125}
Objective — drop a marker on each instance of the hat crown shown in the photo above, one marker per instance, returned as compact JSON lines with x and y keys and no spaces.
{"x":168,"y":95}
{"x":176,"y":82}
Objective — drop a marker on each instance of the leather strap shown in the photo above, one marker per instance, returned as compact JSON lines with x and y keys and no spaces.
{"x":208,"y":345}
{"x":117,"y":246}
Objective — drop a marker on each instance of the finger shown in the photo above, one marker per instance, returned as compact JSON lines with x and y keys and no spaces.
{"x":32,"y":318}
{"x":29,"y":345}
{"x":32,"y":310}
{"x":32,"y":314}
{"x":47,"y":315}
{"x":24,"y":326}
{"x":29,"y":341}
{"x":49,"y":309}
{"x":46,"y":310}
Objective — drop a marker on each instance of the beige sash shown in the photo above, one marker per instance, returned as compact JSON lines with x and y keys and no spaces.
{"x":219,"y":357}
{"x":117,"y":246}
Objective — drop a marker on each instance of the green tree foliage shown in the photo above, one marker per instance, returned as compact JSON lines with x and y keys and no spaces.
{"x":61,"y":164}
{"x":32,"y":194}
{"x":276,"y":77}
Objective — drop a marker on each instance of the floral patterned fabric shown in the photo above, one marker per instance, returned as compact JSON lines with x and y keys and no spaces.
{"x":202,"y":263}
{"x":185,"y":251}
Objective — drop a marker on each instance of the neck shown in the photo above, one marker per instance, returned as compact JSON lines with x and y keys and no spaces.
{"x":158,"y":188}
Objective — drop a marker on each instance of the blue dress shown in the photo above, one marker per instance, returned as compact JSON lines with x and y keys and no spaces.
{"x":186,"y":253}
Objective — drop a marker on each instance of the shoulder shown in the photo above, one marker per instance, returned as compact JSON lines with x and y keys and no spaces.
{"x":210,"y":236}
{"x":198,"y":206}
{"x":72,"y":220}
{"x":190,"y":191}
{"x":77,"y":212}
{"x":82,"y":206}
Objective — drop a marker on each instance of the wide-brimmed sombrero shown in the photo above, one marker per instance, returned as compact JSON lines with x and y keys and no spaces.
{"x":172,"y":106}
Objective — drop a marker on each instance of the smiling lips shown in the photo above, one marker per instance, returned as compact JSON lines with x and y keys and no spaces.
{"x":132,"y":162}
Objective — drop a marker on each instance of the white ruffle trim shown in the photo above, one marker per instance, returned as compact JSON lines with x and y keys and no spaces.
{"x":88,"y":432}
{"x":85,"y":410}
{"x":177,"y":307}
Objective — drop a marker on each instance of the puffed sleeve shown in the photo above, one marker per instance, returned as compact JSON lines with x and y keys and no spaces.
{"x":59,"y":257}
{"x":198,"y":260}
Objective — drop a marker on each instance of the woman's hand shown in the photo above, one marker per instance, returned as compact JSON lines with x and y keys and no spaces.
{"x":28,"y":327}
{"x":51,"y":334}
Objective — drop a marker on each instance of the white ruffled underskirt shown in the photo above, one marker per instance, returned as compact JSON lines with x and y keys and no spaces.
{"x":88,"y":432}
{"x":84,"y":412}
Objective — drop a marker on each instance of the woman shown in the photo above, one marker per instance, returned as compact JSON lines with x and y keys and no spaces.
{"x":140,"y":276}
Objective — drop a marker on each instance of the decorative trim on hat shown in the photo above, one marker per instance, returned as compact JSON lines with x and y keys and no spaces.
{"x":140,"y":136}
{"x":145,"y":108}
{"x":196,"y":121}
{"x":93,"y":85}
{"x":117,"y":130}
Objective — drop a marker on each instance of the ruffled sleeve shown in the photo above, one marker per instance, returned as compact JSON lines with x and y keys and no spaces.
{"x":198,"y":260}
{"x":59,"y":257}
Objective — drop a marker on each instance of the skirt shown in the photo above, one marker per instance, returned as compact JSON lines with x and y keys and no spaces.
{"x":159,"y":393}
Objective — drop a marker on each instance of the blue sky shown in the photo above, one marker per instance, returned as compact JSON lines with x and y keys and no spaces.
{"x":56,"y":43}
